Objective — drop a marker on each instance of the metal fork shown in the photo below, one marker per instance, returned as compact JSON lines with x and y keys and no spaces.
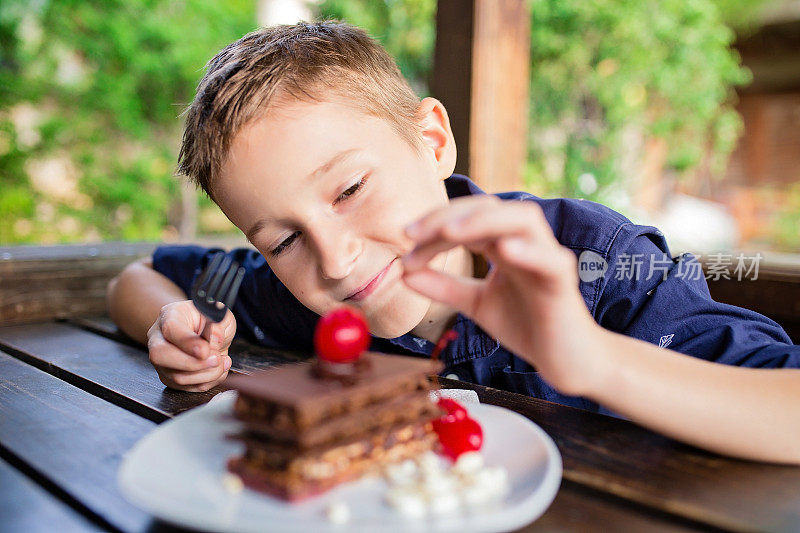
{"x":215,"y":289}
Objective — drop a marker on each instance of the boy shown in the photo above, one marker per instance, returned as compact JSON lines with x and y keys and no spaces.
{"x":312,"y":143}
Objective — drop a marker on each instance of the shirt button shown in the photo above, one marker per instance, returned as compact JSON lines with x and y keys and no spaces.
{"x":453,"y":376}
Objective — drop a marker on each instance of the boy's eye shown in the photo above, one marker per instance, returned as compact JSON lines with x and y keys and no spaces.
{"x":284,"y":244}
{"x":351,"y":190}
{"x":355,"y":188}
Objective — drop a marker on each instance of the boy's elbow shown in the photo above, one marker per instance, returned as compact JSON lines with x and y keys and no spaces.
{"x":114,"y":286}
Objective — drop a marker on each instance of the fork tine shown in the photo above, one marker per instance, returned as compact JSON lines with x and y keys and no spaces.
{"x":222,"y":290}
{"x":216,"y":280}
{"x":234,"y":288}
{"x":202,"y":281}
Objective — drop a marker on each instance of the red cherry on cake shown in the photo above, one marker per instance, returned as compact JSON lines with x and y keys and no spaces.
{"x":458,"y":436}
{"x":453,"y":408}
{"x":341,"y":335}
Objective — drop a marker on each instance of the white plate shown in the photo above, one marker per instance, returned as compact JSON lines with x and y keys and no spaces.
{"x":176,"y":473}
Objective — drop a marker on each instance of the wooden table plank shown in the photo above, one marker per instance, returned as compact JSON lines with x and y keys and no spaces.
{"x":618,"y":457}
{"x":41,"y":282}
{"x":578,"y":509}
{"x":575,"y":510}
{"x":247,"y":357}
{"x":25,"y":506}
{"x":70,"y":440}
{"x":113,"y":371}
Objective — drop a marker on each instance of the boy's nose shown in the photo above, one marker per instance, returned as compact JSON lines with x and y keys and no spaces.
{"x":337,"y":250}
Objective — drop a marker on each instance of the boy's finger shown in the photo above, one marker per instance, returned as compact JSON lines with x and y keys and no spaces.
{"x":166,"y":355}
{"x":423,"y":254}
{"x":427,"y":226}
{"x":180,"y":334}
{"x":479,"y":228}
{"x":492,"y":220}
{"x":525,"y":219}
{"x":206,"y":386}
{"x":461,"y":293}
{"x":515,"y":255}
{"x":201,"y":376}
{"x":218,"y":336}
{"x":420,"y":256}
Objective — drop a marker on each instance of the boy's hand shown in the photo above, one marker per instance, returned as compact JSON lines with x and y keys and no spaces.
{"x":183,"y":359}
{"x":529,"y":301}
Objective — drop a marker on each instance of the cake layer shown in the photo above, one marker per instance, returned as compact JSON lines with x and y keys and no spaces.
{"x":273,"y":469}
{"x":279,"y":455}
{"x":290,"y":399}
{"x":406,"y":408}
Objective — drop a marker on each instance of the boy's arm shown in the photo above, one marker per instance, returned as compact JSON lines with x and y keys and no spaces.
{"x":135,"y":298}
{"x":744,"y":412}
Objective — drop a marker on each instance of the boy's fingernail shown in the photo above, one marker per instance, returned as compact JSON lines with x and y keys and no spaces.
{"x":412,"y":229}
{"x":212,"y":361}
{"x":228,"y":363}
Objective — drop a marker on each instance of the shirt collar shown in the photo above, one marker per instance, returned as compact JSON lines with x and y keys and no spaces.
{"x":459,"y":185}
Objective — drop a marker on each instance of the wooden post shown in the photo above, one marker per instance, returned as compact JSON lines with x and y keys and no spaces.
{"x":481,"y":74}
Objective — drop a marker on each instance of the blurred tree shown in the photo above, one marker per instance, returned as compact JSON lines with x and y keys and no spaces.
{"x":90,"y":93}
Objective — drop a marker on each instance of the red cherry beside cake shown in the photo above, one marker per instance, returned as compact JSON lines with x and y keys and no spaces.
{"x":458,"y":433}
{"x":453,"y":408}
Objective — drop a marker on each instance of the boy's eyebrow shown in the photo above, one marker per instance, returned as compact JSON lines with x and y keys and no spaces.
{"x":335,"y":160}
{"x":322,"y":169}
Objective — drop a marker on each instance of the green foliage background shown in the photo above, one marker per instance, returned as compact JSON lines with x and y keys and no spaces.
{"x":105,"y":81}
{"x":112,"y":118}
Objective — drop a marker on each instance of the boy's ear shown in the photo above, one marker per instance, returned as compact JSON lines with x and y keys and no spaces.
{"x":437,"y":135}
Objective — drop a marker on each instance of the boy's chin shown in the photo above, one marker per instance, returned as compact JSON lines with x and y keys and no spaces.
{"x":397,"y":328}
{"x":391,"y":324}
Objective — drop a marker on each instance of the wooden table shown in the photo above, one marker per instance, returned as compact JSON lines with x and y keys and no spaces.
{"x":75,"y":396}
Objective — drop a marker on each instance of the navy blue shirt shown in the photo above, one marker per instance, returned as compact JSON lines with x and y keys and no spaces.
{"x":629,"y":282}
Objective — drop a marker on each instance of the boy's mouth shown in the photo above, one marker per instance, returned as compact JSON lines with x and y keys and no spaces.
{"x":369,"y":287}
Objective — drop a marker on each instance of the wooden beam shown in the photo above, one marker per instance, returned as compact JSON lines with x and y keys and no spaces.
{"x":452,"y":70}
{"x":39,"y":283}
{"x":481,"y":74}
{"x":771,"y":54}
{"x":43,"y":282}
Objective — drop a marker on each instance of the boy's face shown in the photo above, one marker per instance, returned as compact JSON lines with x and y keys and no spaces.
{"x":324,"y":192}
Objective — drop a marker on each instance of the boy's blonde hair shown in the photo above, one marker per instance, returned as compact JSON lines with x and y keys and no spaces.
{"x":305,"y":61}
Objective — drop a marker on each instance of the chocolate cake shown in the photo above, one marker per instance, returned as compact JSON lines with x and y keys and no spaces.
{"x":306,"y":430}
